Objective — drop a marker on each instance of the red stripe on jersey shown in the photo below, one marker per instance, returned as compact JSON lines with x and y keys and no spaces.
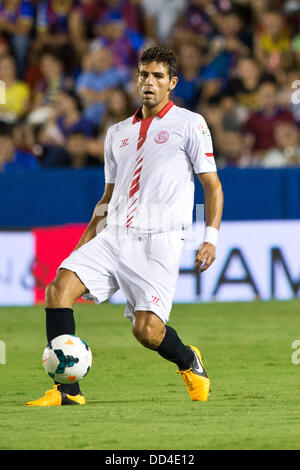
{"x":131,"y":212}
{"x":209,"y":154}
{"x":145,"y":124}
{"x":134,"y":190}
{"x":129,"y":220}
{"x":132,"y":203}
{"x":140,"y":161}
{"x":135,"y":181}
{"x":137,"y":171}
{"x":140,"y":154}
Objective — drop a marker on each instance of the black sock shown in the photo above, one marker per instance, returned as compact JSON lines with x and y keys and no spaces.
{"x":60,"y":321}
{"x":172,"y":349}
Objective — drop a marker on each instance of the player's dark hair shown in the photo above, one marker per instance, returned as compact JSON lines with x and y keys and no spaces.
{"x":161,"y":55}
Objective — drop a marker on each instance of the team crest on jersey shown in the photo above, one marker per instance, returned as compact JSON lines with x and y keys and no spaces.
{"x":161,"y":137}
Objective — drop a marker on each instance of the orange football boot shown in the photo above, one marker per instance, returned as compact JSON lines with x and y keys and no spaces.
{"x":196,"y":380}
{"x":56,"y":397}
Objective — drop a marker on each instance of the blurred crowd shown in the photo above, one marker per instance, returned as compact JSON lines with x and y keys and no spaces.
{"x":68,"y":72}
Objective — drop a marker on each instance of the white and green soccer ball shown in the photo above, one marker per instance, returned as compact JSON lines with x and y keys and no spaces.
{"x":67,"y":359}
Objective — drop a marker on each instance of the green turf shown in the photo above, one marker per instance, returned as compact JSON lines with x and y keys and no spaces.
{"x":136,"y":400}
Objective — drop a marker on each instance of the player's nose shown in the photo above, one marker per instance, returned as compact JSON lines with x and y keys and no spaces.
{"x":149,"y":80}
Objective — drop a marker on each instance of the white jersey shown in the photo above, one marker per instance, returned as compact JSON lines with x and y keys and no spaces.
{"x":152,"y":163}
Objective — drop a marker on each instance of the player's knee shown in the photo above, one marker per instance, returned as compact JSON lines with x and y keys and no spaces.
{"x":52,"y":292}
{"x":56,"y":293}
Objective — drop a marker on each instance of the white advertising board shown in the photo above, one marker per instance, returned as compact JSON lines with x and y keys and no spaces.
{"x":254,"y":260}
{"x":17,"y":252}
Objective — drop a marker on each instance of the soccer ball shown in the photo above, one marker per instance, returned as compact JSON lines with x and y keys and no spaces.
{"x":67,"y":359}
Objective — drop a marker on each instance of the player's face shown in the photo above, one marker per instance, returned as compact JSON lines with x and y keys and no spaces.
{"x":154,"y":84}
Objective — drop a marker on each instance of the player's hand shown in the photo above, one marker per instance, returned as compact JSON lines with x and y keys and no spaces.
{"x":205,"y":257}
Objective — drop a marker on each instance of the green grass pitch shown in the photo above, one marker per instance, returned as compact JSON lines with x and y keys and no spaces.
{"x":135,"y":400}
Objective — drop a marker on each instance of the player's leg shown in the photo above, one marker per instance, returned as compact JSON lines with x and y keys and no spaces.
{"x":152,"y":333}
{"x":87,"y":270}
{"x":60,"y":296}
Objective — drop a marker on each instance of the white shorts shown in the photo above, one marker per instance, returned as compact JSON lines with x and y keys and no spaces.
{"x":145,"y":268}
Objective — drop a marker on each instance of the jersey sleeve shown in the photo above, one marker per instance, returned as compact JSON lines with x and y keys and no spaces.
{"x":110,"y":164}
{"x":198,"y":145}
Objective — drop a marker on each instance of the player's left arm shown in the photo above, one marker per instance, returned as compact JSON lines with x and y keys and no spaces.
{"x":213,"y":203}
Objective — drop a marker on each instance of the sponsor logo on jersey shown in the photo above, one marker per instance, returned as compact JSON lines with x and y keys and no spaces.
{"x":124,"y":142}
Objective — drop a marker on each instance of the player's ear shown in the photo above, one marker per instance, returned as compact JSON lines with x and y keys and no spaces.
{"x":173,"y":83}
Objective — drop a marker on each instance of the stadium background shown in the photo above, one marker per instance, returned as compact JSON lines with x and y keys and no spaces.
{"x":69,"y":73}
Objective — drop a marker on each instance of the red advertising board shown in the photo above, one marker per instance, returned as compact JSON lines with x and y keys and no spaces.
{"x":52,"y":246}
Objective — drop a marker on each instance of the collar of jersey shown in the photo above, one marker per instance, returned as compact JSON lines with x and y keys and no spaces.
{"x":138,"y":114}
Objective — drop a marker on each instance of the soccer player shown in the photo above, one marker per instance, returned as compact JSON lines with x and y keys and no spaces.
{"x":135,"y":237}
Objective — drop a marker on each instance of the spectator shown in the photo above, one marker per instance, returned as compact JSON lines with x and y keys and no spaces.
{"x":82,"y":22}
{"x":235,"y":34}
{"x":57,"y":135}
{"x":12,"y":158}
{"x":49,"y":87}
{"x":243,"y":86}
{"x":272,"y":42}
{"x":160,"y":17}
{"x":94,"y":84}
{"x":233,"y":150}
{"x":17,"y":93}
{"x":231,"y":42}
{"x":261,"y":124}
{"x":129,"y":10}
{"x":118,"y":108}
{"x":52,"y":23}
{"x":196,"y":24}
{"x":16,"y":25}
{"x":219,"y":61}
{"x":229,"y":53}
{"x":233,"y":114}
{"x":186,"y":93}
{"x":287,"y":147}
{"x":123,"y":43}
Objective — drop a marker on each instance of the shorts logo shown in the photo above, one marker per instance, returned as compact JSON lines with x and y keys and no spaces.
{"x":155,"y":300}
{"x":161,"y":137}
{"x":124,"y":142}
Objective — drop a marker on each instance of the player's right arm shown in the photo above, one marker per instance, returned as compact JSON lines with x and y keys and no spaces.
{"x":98,"y":220}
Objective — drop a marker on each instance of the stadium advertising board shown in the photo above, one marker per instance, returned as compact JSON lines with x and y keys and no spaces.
{"x":17,"y":252}
{"x":255,"y":260}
